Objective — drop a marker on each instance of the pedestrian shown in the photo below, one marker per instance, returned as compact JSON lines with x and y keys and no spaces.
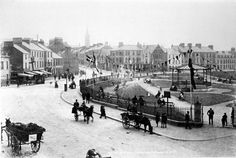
{"x":55,"y":77}
{"x":92,"y":154}
{"x":210,"y":113}
{"x":83,"y":105}
{"x":75,"y":110}
{"x":76,"y":103}
{"x":83,"y":95}
{"x":18,"y":82}
{"x":7,"y":83}
{"x":87,"y":97}
{"x":73,"y":77}
{"x":232,"y":116}
{"x":103,"y":112}
{"x":59,"y":76}
{"x":141,"y":101}
{"x":158,"y":94}
{"x":224,"y":120}
{"x":163,"y":120}
{"x":56,"y":85}
{"x":187,"y":121}
{"x":129,"y":107}
{"x":69,"y":76}
{"x":134,"y":100}
{"x":157,"y":118}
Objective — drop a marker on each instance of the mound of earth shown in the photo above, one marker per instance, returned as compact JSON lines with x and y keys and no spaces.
{"x":130,"y":90}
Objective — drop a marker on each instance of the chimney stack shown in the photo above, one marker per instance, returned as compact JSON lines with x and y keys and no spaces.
{"x":181,"y":44}
{"x":17,"y":40}
{"x":190,"y":45}
{"x":121,"y":44}
{"x":27,"y":40}
{"x":210,"y":46}
{"x":41,"y":41}
{"x":198,"y":45}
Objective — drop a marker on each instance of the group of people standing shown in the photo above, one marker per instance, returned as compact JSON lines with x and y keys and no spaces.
{"x":224,"y":119}
{"x":86,"y":100}
{"x":162,"y":118}
{"x":86,"y":97}
{"x":70,"y":76}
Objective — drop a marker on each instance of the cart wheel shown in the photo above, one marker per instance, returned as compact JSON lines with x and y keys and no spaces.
{"x":35,"y":146}
{"x":15,"y":144}
{"x":125,"y":123}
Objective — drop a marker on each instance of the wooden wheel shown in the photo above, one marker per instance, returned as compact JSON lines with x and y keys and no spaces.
{"x":15,"y":144}
{"x":35,"y":146}
{"x":125,"y":122}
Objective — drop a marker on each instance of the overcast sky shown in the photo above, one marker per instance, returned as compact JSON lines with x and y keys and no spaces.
{"x":145,"y":21}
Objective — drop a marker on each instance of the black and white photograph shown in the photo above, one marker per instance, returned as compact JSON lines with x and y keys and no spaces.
{"x":118,"y":78}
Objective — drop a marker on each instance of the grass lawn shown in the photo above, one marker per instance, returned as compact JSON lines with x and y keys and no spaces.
{"x":207,"y":99}
{"x":224,"y":74}
{"x":161,"y":83}
{"x":225,"y":86}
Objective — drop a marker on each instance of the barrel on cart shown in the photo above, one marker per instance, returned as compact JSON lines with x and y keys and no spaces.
{"x":21,"y":134}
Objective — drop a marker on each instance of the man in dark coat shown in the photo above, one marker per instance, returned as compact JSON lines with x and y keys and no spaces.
{"x":87,"y":97}
{"x":83,"y":95}
{"x":134,"y":100}
{"x":187,"y":120}
{"x":74,"y":109}
{"x":157,"y":118}
{"x":232,"y":116}
{"x":141,"y":101}
{"x":224,"y":120}
{"x":210,"y":113}
{"x":103,"y":112}
{"x":76,"y":104}
{"x":163,"y":120}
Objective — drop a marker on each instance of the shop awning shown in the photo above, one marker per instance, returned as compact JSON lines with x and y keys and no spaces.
{"x":30,"y":72}
{"x":24,"y":75}
{"x":45,"y":72}
{"x":38,"y":72}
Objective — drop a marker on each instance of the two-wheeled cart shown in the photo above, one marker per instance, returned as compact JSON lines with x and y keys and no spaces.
{"x":21,"y":134}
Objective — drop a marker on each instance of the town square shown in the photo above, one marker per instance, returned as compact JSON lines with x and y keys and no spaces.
{"x":102,"y":79}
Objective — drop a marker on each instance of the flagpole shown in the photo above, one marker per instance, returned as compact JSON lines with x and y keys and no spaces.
{"x":191,"y":95}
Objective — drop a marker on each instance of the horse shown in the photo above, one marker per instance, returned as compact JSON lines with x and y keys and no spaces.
{"x":140,"y":119}
{"x":88,"y":112}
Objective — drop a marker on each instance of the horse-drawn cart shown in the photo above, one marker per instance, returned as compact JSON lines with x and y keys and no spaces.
{"x":135,"y":120}
{"x":21,"y":134}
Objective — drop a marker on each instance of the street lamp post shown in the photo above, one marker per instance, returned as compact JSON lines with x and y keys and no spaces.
{"x":66,"y":74}
{"x":190,"y":86}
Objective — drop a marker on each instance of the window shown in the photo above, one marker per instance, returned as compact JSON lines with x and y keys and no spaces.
{"x":25,"y":65}
{"x":7,"y":65}
{"x":2,"y":65}
{"x":25,"y":57}
{"x":139,"y":52}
